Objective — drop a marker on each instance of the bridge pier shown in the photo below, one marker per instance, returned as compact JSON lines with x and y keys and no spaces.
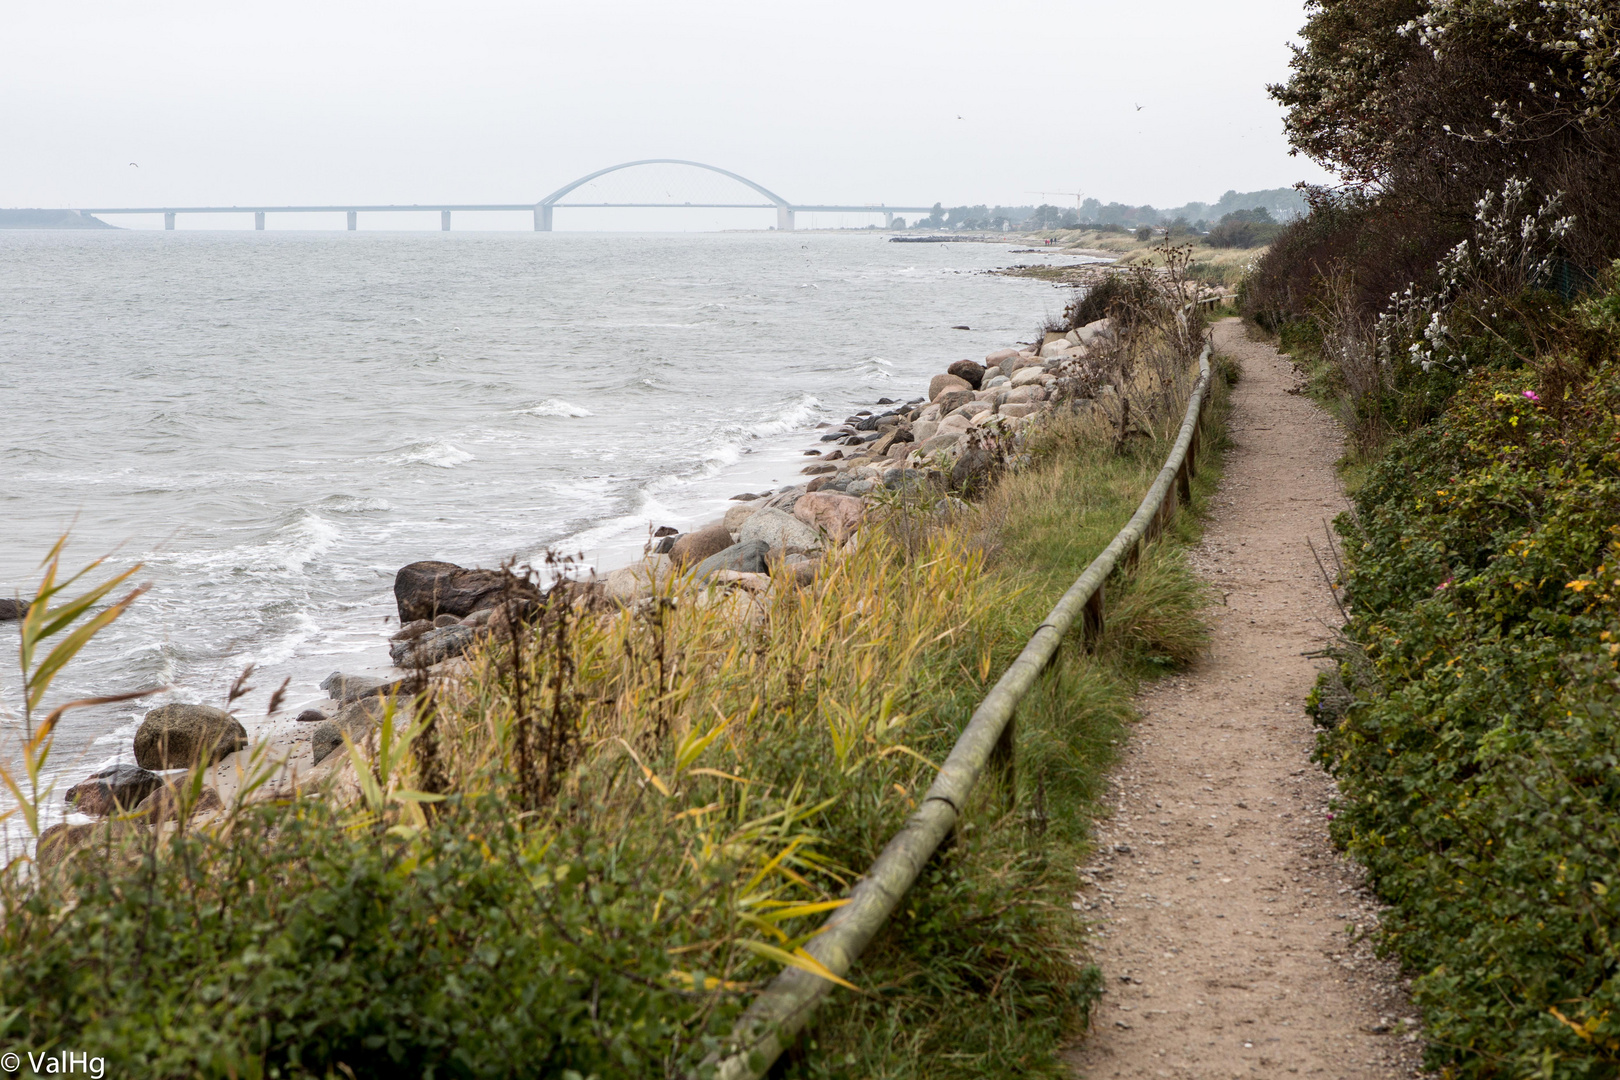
{"x":354,"y":220}
{"x":258,"y":220}
{"x":542,"y":218}
{"x":784,"y":219}
{"x":168,"y":219}
{"x":888,"y":220}
{"x":444,"y":220}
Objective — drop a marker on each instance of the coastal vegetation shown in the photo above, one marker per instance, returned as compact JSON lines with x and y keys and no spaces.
{"x":582,"y":853}
{"x":1458,"y":304}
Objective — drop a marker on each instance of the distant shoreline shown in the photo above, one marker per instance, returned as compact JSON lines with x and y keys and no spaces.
{"x":50,"y":219}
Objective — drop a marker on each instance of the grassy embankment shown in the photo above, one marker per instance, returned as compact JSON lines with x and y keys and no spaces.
{"x":1473,"y":720}
{"x":1215,"y":266}
{"x":583,"y":860}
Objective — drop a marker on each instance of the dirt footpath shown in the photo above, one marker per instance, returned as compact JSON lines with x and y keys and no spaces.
{"x":1226,"y":925}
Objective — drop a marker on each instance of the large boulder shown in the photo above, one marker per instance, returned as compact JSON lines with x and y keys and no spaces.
{"x":1018,"y":408}
{"x":694,"y":547}
{"x":1101,"y":330}
{"x":179,"y":736}
{"x":939,"y":384}
{"x":113,"y":789}
{"x":743,"y":557}
{"x":971,"y":409}
{"x":995,"y":358}
{"x":12,"y":609}
{"x":735,"y":516}
{"x":1024,"y":395}
{"x":836,"y":515}
{"x":783,"y":533}
{"x":955,"y":424}
{"x":1027,"y":376}
{"x":426,"y":590}
{"x":949,"y":403}
{"x":638,"y":580}
{"x":433,"y":647}
{"x":968,"y":371}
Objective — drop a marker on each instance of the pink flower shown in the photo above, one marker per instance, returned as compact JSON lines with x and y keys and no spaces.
{"x":1532,"y":395}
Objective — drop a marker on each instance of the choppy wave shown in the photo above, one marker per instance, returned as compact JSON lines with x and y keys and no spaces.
{"x":439,"y":453}
{"x":556,"y":407}
{"x":354,"y":504}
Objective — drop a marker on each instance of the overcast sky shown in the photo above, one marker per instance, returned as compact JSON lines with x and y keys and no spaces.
{"x":856,"y":101}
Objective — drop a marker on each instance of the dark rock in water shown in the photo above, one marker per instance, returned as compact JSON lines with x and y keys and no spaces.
{"x":426,"y":590}
{"x":358,"y":721}
{"x":178,"y":736}
{"x":749,"y":496}
{"x":663,"y":545}
{"x":696,"y":546}
{"x":818,"y":468}
{"x":432,"y":647}
{"x":119,"y":787}
{"x":12,"y":609}
{"x":961,"y":328}
{"x":836,"y":455}
{"x":747,"y":557}
{"x":969,"y":370}
{"x":832,"y":436}
{"x":310,"y":716}
{"x":868,"y":424}
{"x":670,"y":530}
{"x":812,"y":453}
{"x":885,"y":401}
{"x":164,"y":804}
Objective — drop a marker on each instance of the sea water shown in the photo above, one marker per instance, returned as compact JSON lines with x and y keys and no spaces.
{"x":274,"y":423}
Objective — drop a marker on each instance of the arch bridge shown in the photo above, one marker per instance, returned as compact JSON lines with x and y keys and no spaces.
{"x":543,"y":209}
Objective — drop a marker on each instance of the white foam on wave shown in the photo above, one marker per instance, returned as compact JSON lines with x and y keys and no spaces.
{"x":556,"y":407}
{"x":436,"y":452}
{"x":354,"y":504}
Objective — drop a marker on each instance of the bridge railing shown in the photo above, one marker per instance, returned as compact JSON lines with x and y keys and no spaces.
{"x":770,"y":1023}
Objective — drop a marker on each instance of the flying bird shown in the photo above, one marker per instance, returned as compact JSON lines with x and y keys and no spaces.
{"x":136,"y":166}
{"x":959,"y":118}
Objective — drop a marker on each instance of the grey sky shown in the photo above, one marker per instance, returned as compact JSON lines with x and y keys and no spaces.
{"x":492,"y":100}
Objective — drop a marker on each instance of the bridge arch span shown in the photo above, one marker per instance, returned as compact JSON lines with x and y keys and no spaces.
{"x":543,"y":208}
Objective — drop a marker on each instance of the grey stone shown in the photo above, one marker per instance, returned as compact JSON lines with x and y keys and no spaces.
{"x":358,"y":721}
{"x":178,"y":736}
{"x":433,"y":647}
{"x":12,"y":609}
{"x":747,"y":557}
{"x":117,"y":787}
{"x":782,"y":532}
{"x":343,"y":688}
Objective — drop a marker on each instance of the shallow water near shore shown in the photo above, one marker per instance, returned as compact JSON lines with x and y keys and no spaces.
{"x":275,"y":422}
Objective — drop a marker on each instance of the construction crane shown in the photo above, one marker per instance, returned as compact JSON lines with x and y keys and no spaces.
{"x":1078,"y":195}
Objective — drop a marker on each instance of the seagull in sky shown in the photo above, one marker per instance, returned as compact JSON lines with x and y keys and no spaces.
{"x":1138,"y":107}
{"x":136,"y":166}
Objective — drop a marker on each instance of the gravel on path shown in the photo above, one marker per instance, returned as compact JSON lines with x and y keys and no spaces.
{"x":1230,"y":933}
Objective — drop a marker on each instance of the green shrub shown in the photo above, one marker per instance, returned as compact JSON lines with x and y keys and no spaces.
{"x":1473,"y":722}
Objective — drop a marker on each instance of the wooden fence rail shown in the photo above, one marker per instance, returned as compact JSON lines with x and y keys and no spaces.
{"x":783,"y":1008}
